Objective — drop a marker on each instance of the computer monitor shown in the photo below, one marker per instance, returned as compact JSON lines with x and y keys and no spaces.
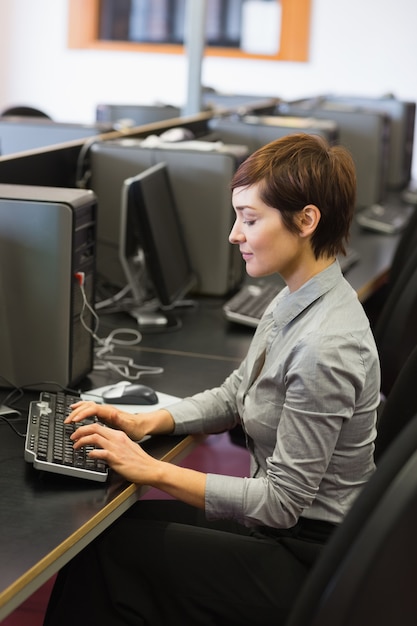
{"x":152,"y":247}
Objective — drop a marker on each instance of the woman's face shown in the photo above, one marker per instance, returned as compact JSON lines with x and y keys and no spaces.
{"x":266,"y":244}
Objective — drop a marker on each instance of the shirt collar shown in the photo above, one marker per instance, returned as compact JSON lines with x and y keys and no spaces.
{"x":290,"y":304}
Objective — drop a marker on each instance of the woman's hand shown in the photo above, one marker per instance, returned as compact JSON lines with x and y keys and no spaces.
{"x":118,"y":450}
{"x":135,"y":425}
{"x":129,"y":459}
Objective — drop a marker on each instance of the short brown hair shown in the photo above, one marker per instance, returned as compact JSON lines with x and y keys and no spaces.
{"x":302,"y":169}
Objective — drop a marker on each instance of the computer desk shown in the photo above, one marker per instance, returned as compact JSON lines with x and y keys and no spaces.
{"x":45,"y":519}
{"x":376,"y":253}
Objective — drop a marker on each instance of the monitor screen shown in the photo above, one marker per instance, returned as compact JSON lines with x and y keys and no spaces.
{"x":151,"y":238}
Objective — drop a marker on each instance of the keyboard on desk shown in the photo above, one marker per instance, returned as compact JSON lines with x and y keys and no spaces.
{"x":48,"y":445}
{"x":385,"y":219}
{"x":249,"y":304}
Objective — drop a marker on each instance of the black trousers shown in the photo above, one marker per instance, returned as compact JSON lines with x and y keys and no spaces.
{"x":163,"y":563}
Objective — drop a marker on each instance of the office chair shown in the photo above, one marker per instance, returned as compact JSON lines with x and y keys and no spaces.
{"x":366,"y":573}
{"x":396,"y":329}
{"x":23,"y":111}
{"x":399,"y":407}
{"x":405,"y":247}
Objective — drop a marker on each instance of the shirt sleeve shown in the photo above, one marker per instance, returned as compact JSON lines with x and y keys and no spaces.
{"x":211,"y":411}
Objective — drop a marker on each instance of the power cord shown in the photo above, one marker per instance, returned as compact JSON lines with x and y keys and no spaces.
{"x":112,"y":300}
{"x":9,"y":415}
{"x":83,"y":173}
{"x":10,"y":422}
{"x":124,"y":366}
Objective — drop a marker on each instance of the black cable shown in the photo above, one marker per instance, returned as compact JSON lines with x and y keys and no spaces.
{"x":9,"y":422}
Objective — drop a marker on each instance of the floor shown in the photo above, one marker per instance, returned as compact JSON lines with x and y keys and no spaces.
{"x":217,"y":454}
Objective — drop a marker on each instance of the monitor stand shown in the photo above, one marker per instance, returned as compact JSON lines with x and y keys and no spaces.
{"x":149,"y":318}
{"x":154,"y":321}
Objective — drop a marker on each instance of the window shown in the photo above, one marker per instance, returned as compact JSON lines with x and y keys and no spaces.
{"x":232,"y":27}
{"x":163,"y":21}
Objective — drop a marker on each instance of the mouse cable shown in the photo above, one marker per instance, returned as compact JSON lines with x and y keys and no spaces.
{"x":126,"y":367}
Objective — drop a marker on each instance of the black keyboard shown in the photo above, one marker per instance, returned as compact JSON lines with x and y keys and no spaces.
{"x":385,"y":219}
{"x":249,"y":304}
{"x":48,"y":445}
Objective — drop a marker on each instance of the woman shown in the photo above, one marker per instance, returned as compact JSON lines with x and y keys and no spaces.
{"x":235,"y":550}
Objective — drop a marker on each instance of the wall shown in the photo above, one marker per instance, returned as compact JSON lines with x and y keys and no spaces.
{"x":366,"y":47}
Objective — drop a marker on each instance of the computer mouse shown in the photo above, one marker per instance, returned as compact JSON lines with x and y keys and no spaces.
{"x":130,"y":393}
{"x":179,"y":133}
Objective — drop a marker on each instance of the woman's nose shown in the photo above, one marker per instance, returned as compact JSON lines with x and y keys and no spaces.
{"x":235,"y":236}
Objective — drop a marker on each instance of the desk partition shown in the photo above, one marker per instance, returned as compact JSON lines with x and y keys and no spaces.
{"x":18,"y":134}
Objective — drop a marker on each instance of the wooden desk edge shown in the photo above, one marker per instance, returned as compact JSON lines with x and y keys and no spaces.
{"x":35,"y":577}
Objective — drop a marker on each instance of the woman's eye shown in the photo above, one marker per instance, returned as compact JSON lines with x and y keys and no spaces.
{"x":249,"y":222}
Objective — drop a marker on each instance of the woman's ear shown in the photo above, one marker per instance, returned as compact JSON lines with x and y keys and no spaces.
{"x":309,"y":219}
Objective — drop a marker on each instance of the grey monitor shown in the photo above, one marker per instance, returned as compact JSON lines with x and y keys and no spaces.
{"x":152,"y":244}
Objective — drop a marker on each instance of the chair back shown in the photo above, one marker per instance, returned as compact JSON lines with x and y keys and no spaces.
{"x":23,"y":111}
{"x":405,"y":248}
{"x":399,"y":407}
{"x":403,"y":252}
{"x":396,"y":329}
{"x":366,"y":573}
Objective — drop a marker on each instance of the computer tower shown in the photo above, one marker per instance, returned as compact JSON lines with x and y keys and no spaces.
{"x":257,"y":130}
{"x":402,"y":116}
{"x":47,"y":250}
{"x":239,"y":103}
{"x":366,"y":133}
{"x":135,"y":114}
{"x":200,"y":174}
